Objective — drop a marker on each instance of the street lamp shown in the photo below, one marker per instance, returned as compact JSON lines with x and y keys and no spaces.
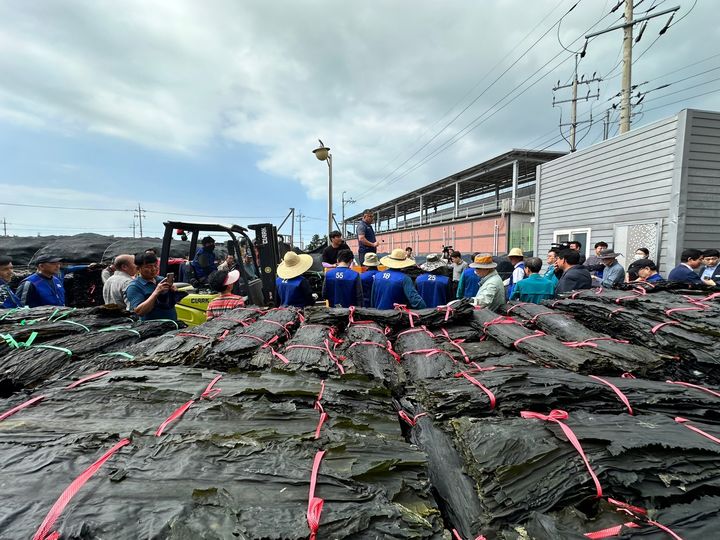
{"x":323,"y":154}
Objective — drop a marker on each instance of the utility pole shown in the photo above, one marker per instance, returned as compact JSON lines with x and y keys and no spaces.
{"x":627,"y":27}
{"x":301,"y":218}
{"x":344,"y":202}
{"x":573,"y":107}
{"x":606,"y":125}
{"x":4,"y":227}
{"x":133,"y":227}
{"x":140,"y":214}
{"x":627,"y":68}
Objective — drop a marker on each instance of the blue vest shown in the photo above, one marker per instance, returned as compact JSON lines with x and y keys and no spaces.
{"x":471,"y":282}
{"x":290,"y":292}
{"x":341,"y":286}
{"x":388,"y":289}
{"x":8,"y":299}
{"x":511,"y":285}
{"x":48,"y":292}
{"x":367,"y":278}
{"x":199,"y":270}
{"x":433,"y":288}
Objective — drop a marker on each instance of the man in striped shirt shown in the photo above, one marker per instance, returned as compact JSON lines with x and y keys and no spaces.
{"x":222,"y":281}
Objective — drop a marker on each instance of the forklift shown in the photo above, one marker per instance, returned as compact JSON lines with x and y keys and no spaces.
{"x":263,"y":254}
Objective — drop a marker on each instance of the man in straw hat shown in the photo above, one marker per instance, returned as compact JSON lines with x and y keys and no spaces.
{"x":367,"y":278}
{"x":518,"y":274}
{"x":434,"y":285}
{"x":392,"y":286}
{"x":342,"y":286}
{"x":613,"y":273}
{"x":469,"y":282}
{"x":492,"y":291}
{"x":292,"y":288}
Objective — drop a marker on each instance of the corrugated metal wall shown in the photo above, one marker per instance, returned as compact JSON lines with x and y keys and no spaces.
{"x":703,"y":181}
{"x":626,"y":179}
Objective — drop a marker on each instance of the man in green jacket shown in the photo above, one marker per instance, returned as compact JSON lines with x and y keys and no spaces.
{"x":534,"y":288}
{"x":492,"y":290}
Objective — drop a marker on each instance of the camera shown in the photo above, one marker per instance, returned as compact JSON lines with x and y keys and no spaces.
{"x":446,"y":251}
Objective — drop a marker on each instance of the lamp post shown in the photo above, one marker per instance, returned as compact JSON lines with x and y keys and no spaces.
{"x":323,"y":154}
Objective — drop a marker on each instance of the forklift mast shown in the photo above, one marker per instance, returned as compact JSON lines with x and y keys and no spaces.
{"x":266,"y":241}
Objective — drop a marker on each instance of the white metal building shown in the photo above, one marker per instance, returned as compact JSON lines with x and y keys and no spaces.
{"x":657,"y":186}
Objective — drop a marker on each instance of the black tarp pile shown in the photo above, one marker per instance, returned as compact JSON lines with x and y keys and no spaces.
{"x":578,"y":417}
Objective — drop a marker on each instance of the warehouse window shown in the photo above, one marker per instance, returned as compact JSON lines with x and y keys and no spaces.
{"x":568,"y":235}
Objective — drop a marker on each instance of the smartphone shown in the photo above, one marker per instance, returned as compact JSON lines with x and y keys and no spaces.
{"x":170,"y":278}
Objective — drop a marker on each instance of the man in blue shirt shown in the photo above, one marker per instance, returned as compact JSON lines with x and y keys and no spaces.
{"x":367,"y":243}
{"x":43,"y":288}
{"x":8,"y":299}
{"x":552,"y":266}
{"x":711,"y":272}
{"x":392,"y":286}
{"x":469,"y":283}
{"x":613,"y":273}
{"x":534,"y":288}
{"x":292,"y":288}
{"x":370,"y":264}
{"x":148,"y":295}
{"x":646,"y":271}
{"x":435,"y":285}
{"x":342,"y":286}
{"x":690,"y":260}
{"x":204,"y":262}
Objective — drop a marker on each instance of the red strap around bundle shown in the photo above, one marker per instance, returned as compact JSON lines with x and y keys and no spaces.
{"x":43,"y":532}
{"x":190,"y":334}
{"x":208,"y":393}
{"x":610,"y":532}
{"x":482,"y":387}
{"x":23,"y":405}
{"x":669,"y":312}
{"x":555,"y":416}
{"x":315,"y":504}
{"x":696,"y":386}
{"x":500,"y":320}
{"x":519,"y":304}
{"x":422,"y":329}
{"x":534,"y":319}
{"x":410,"y":420}
{"x":411,"y":314}
{"x":641,"y":514}
{"x":318,"y":406}
{"x":657,"y":327}
{"x":457,"y":536}
{"x":537,"y":334}
{"x":86,"y":379}
{"x":448,"y":310}
{"x":684,"y":421}
{"x":617,"y":391}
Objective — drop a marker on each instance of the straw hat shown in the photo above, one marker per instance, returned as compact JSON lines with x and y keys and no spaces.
{"x":294,"y":265}
{"x":370,"y":260}
{"x":516,"y":252}
{"x":484,"y":260}
{"x":433,"y":263}
{"x":397,"y":260}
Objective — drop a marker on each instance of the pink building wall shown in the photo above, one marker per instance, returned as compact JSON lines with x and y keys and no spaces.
{"x":466,"y":237}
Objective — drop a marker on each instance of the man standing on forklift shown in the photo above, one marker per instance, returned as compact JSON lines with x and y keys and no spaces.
{"x":204,"y":262}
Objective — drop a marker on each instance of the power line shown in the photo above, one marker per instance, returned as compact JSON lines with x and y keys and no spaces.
{"x":684,"y":99}
{"x":472,"y":102}
{"x":67,"y":207}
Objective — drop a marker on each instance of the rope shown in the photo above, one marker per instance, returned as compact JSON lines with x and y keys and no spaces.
{"x":315,"y":504}
{"x":615,"y":389}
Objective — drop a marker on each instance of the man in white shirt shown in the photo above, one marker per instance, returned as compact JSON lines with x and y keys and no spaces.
{"x":116,"y":285}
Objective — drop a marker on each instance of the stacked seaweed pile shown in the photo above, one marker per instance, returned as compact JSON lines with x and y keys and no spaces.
{"x":594,"y":416}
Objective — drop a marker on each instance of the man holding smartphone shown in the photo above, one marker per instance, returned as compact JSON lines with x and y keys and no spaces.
{"x":150,"y":296}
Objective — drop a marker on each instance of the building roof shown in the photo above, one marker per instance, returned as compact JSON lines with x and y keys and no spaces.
{"x":486,"y":177}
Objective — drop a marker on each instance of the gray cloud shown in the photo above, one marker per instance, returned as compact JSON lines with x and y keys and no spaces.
{"x":372,"y":79}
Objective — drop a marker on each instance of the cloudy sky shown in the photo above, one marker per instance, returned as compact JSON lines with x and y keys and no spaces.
{"x":213,"y":108}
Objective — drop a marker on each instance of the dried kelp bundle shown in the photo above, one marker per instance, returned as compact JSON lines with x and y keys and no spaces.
{"x":420,"y":358}
{"x":371,"y":352}
{"x":528,"y":464}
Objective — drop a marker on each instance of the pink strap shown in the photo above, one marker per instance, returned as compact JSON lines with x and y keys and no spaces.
{"x":555,"y":416}
{"x":86,"y":379}
{"x":615,"y":389}
{"x":534,"y":319}
{"x":415,"y":330}
{"x":518,"y":341}
{"x":631,"y":297}
{"x":208,"y":393}
{"x":713,"y":296}
{"x":282,"y":326}
{"x":315,"y":504}
{"x":43,"y":531}
{"x":477,"y":383}
{"x":696,"y":386}
{"x":500,"y":320}
{"x":519,"y":304}
{"x":448,"y":310}
{"x":669,"y":312}
{"x":457,"y":536}
{"x":190,"y":334}
{"x":318,"y":406}
{"x":225,"y":334}
{"x":641,"y":513}
{"x":661,"y":325}
{"x":429,"y":352}
{"x":681,"y":420}
{"x":615,"y":311}
{"x":410,"y":420}
{"x":403,"y":307}
{"x":23,"y":405}
{"x":578,"y":344}
{"x":610,"y":532}
{"x":326,"y":348}
{"x":628,"y":375}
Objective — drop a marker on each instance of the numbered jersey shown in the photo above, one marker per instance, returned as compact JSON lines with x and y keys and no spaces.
{"x":342,"y":287}
{"x":433,"y":289}
{"x":388,"y":289}
{"x":367,"y":279}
